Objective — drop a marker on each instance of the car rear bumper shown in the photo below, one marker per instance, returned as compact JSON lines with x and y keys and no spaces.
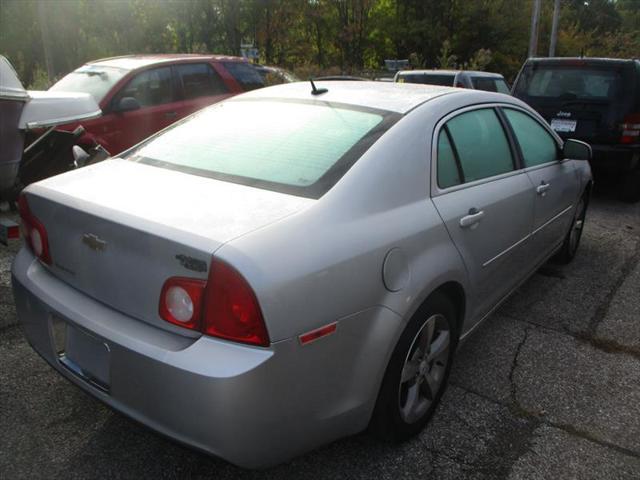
{"x":254,"y":407}
{"x":616,"y":158}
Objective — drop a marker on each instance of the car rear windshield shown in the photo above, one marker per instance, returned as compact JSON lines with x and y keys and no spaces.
{"x":490,"y":84}
{"x":427,"y":79}
{"x":92,"y":79}
{"x":291,"y":147}
{"x":570,"y":82}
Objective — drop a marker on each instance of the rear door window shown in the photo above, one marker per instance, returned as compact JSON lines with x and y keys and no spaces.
{"x":149,"y":88}
{"x":490,"y":84}
{"x":536,"y":144}
{"x":199,"y":80}
{"x":245,"y":75}
{"x":448,"y":169}
{"x":481,"y":144}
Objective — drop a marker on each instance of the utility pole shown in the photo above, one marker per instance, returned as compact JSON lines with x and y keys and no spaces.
{"x":46,"y":40}
{"x":554,"y":28}
{"x":535,"y":19}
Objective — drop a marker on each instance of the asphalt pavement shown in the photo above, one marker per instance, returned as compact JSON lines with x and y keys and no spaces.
{"x":548,"y":388}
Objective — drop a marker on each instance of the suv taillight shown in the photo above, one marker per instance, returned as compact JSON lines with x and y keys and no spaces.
{"x":33,"y":231}
{"x":630,"y":129}
{"x":225,"y":306}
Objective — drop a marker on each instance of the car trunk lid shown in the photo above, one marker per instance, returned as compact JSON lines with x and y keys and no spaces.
{"x":117,"y":230}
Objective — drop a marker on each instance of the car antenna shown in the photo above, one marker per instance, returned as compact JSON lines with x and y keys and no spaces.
{"x":315,"y":90}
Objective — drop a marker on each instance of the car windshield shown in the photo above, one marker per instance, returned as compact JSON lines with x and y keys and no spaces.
{"x":567,"y":82}
{"x":490,"y":84}
{"x":298,"y":148}
{"x":93,"y":79}
{"x":428,"y":79}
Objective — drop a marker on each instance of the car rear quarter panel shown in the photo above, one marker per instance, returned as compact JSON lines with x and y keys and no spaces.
{"x":326,"y":262}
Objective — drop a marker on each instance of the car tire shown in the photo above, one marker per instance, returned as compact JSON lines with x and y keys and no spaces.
{"x":572,"y":240}
{"x":630,"y":188}
{"x":416,"y":377}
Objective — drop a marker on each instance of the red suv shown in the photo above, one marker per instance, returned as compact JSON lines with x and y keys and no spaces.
{"x":141,"y":94}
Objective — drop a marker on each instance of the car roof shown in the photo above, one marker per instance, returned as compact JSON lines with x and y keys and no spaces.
{"x":395,"y":97}
{"x":334,"y":78}
{"x":133,"y":62}
{"x":474,"y":73}
{"x":581,"y":60}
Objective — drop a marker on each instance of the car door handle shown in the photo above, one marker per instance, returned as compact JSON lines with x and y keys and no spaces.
{"x":473,"y":218}
{"x":171,"y":114}
{"x":542,"y":188}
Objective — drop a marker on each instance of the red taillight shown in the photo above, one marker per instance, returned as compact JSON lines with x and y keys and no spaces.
{"x":181,"y":301}
{"x":33,"y":231}
{"x":231,"y":308}
{"x":630,"y":129}
{"x":224,"y":306}
{"x":13,"y":232}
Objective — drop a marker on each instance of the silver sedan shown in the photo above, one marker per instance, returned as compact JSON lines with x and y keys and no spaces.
{"x":295,"y":264}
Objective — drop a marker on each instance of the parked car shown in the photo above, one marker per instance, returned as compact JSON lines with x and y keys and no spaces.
{"x":275,"y":75}
{"x":596,"y":100}
{"x":255,"y":299}
{"x":490,"y":82}
{"x":142,"y":94}
{"x":333,"y":78}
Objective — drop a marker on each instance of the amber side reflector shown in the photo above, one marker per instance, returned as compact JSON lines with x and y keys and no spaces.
{"x":318,"y":333}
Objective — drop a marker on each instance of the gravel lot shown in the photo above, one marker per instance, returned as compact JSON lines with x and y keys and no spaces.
{"x":549,"y":387}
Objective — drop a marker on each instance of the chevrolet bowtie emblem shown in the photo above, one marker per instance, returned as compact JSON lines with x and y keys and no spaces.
{"x":94,"y":242}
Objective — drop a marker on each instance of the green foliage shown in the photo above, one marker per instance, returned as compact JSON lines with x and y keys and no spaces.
{"x":314,"y":36}
{"x":447,"y":60}
{"x":480,"y":59}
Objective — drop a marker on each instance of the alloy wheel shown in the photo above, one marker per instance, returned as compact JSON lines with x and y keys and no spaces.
{"x":424,"y":368}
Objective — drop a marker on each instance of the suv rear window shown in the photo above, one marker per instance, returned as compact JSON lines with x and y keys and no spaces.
{"x":427,"y":79}
{"x":245,"y":74}
{"x":570,"y":82}
{"x":291,"y":147}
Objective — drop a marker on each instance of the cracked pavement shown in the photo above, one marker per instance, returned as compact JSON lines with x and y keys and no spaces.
{"x":548,"y":387}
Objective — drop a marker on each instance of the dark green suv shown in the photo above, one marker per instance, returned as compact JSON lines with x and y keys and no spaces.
{"x":596,"y":100}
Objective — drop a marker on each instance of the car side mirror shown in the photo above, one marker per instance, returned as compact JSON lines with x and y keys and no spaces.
{"x":127,"y":104}
{"x":577,"y":150}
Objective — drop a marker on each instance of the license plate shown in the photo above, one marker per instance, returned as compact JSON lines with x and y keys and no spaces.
{"x":562,"y":125}
{"x":84,"y":354}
